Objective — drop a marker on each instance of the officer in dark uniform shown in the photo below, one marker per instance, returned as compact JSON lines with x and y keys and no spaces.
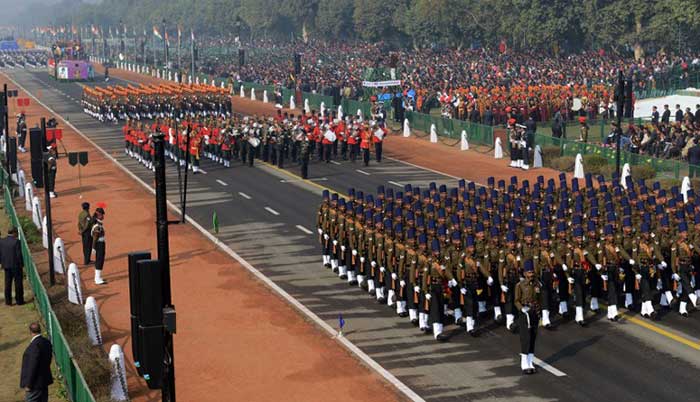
{"x":528,"y":299}
{"x":84,"y":229}
{"x":305,"y":155}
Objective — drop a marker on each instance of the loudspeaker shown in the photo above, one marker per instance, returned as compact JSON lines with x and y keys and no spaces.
{"x":297,"y":63}
{"x":37,"y":147}
{"x":12,"y":154}
{"x":151,"y":348}
{"x":135,"y":300}
{"x":241,"y":57}
{"x":150,"y":308}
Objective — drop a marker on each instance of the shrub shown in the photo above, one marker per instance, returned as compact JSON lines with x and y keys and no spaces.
{"x":595,"y":164}
{"x":31,"y":233}
{"x":563,"y":163}
{"x":550,"y":153}
{"x":645,"y":172}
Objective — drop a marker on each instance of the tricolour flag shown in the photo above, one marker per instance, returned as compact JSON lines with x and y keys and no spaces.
{"x":157,"y":33}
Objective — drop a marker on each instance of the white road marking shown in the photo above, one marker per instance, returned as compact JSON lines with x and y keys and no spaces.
{"x":303,"y":229}
{"x":202,"y":171}
{"x":244,"y":195}
{"x":272,"y":211}
{"x":223,"y":183}
{"x":397,"y":184}
{"x":362,"y":171}
{"x":335,"y":163}
{"x":429,"y":169}
{"x":550,"y":368}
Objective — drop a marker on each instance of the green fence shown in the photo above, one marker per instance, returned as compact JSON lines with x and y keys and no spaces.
{"x":78,"y":390}
{"x":668,"y":168}
{"x":451,"y":128}
{"x":598,"y":130}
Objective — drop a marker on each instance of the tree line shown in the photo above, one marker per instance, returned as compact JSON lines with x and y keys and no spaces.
{"x":550,"y":26}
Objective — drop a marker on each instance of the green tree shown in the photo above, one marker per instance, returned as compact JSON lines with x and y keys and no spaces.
{"x":334,"y":18}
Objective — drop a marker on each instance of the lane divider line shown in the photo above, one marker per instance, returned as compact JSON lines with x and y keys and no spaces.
{"x":303,"y":229}
{"x":397,"y":184}
{"x":555,"y":371}
{"x":223,"y":183}
{"x":244,"y":195}
{"x":272,"y":211}
{"x":362,"y":171}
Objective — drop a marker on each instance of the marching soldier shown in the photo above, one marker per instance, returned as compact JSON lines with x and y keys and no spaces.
{"x":528,"y":300}
{"x":470,"y":284}
{"x":681,"y":259}
{"x":437,"y":274}
{"x":648,"y":255}
{"x":508,"y":274}
{"x":613,"y":276}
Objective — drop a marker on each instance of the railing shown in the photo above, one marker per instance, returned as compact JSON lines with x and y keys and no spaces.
{"x":78,"y":390}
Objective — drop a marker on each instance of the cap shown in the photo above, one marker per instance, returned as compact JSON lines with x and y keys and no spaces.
{"x":435,"y":245}
{"x":528,"y":266}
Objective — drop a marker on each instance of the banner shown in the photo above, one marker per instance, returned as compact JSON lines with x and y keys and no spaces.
{"x":376,"y":84}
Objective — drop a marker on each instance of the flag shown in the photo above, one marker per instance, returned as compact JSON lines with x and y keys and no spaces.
{"x":157,"y":33}
{"x":341,"y":322}
{"x":167,"y":39}
{"x":215,"y":222}
{"x":179,"y":32}
{"x":192,"y":34}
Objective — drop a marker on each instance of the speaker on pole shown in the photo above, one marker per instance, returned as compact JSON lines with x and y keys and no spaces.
{"x":297,"y":64}
{"x":12,"y":154}
{"x":150,"y":315}
{"x":241,"y":57}
{"x":134,"y":295}
{"x":37,"y":147}
{"x":629,"y":109}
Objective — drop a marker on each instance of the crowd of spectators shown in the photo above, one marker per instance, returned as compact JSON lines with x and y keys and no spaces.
{"x":468,"y":84}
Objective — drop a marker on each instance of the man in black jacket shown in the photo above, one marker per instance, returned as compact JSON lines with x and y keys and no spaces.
{"x":694,"y":159}
{"x":666,"y":116}
{"x":679,"y":114}
{"x":12,"y":264}
{"x":36,"y":366}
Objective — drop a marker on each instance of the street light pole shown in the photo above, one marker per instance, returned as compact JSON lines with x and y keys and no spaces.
{"x":168,"y":382}
{"x":620,"y":109}
{"x":47,"y":201}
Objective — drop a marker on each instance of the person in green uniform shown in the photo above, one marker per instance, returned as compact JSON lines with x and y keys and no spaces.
{"x":528,"y":300}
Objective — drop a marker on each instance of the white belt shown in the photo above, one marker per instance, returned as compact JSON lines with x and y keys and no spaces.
{"x":101,"y":238}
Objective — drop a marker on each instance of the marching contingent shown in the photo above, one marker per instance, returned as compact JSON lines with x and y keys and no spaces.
{"x":198,"y":123}
{"x":523,"y":250}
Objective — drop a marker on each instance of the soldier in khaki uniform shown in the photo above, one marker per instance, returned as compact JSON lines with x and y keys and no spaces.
{"x":437,"y":275}
{"x":681,"y":256}
{"x":528,"y":300}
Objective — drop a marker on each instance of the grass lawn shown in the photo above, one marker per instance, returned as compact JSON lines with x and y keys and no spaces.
{"x":14,"y":338}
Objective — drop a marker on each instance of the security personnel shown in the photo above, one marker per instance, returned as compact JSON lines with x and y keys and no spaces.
{"x":305,"y":153}
{"x":528,"y":300}
{"x":21,"y":132}
{"x":84,"y":229}
{"x":98,"y":243}
{"x":52,"y":165}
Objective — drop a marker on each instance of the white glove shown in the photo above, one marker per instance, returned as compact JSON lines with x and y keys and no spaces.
{"x":325,"y":236}
{"x":676,"y":277}
{"x":571,"y":280}
{"x":504,"y":288}
{"x":382,"y":269}
{"x":564,"y":267}
{"x":663,"y":264}
{"x":517,"y":258}
{"x":362,"y":259}
{"x":631,"y":261}
{"x":394,"y":276}
{"x":659,"y":285}
{"x":354,"y":252}
{"x":373,"y":264}
{"x":489,"y":281}
{"x":320,"y":231}
{"x":638,"y":277}
{"x":605,"y":277}
{"x":452,"y":283}
{"x":463,"y":291}
{"x":416,"y":289}
{"x":342,"y":248}
{"x":402,"y":283}
{"x":428,"y":296}
{"x":525,"y":309}
{"x":598,"y":267}
{"x":335,"y":242}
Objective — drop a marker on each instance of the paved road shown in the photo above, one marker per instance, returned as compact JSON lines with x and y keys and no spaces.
{"x":265,"y":215}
